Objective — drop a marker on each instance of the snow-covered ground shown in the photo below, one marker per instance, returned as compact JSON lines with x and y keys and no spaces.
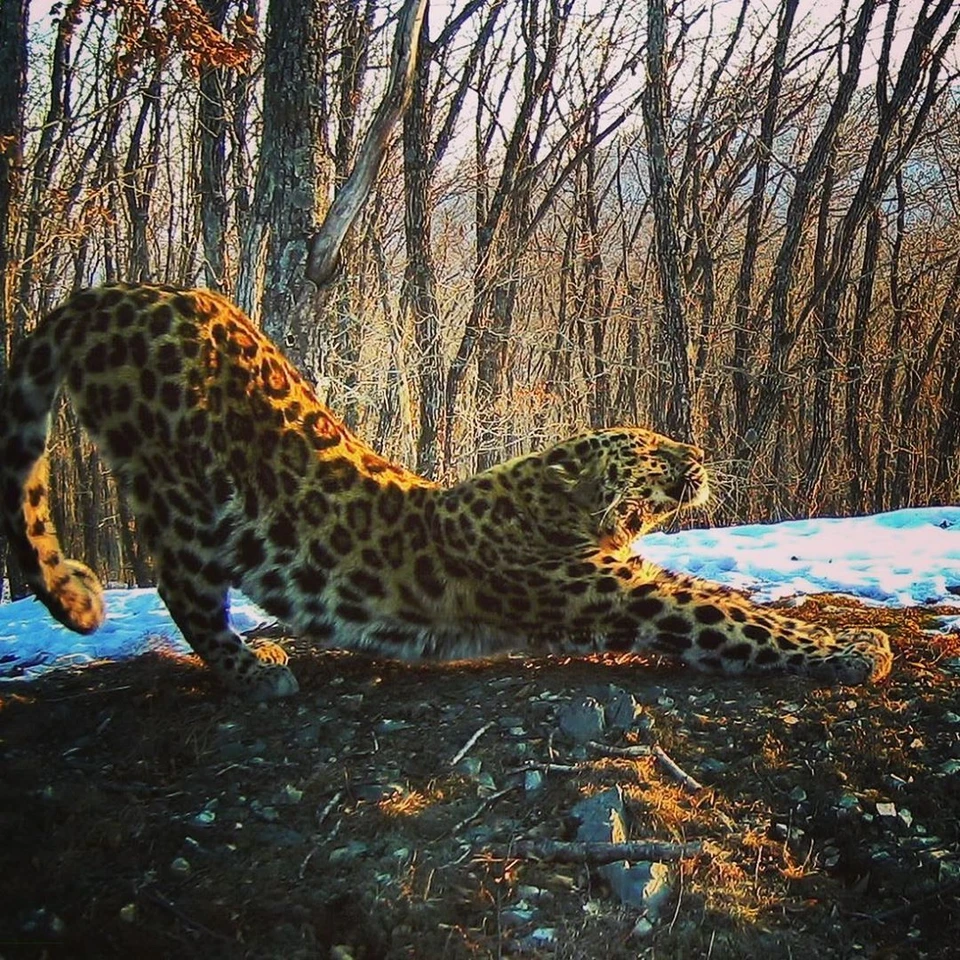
{"x":898,"y":559}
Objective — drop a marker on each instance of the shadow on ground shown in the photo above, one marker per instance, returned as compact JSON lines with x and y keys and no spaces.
{"x":144,"y":813}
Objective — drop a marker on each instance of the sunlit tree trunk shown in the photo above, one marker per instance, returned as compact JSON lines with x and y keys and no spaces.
{"x":672,"y":415}
{"x":293,"y":176}
{"x":13,"y":85}
{"x":420,"y":278}
{"x":212,"y":129}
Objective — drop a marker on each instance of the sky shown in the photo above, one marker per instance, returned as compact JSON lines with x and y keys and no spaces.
{"x":896,"y":559}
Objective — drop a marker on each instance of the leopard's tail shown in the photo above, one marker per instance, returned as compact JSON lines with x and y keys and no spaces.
{"x":70,"y":590}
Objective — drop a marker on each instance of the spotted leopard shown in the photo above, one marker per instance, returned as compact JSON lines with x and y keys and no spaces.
{"x":240,"y":477}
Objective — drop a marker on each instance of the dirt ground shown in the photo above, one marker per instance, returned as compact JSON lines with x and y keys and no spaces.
{"x":389,"y":810}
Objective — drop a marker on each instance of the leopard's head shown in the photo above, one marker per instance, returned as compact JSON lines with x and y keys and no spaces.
{"x":625,"y":480}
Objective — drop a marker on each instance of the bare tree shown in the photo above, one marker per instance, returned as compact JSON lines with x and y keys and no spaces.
{"x":902,"y":108}
{"x":13,"y":84}
{"x":673,"y":340}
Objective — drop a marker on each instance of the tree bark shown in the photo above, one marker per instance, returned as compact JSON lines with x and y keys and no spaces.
{"x":420,"y":278}
{"x":212,"y":123}
{"x":744,"y":334}
{"x":673,"y":414}
{"x":14,"y":15}
{"x":292,"y":180}
{"x":783,"y":332}
{"x":325,"y":245}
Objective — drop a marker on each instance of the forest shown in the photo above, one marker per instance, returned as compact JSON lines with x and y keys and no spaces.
{"x":732,"y":221}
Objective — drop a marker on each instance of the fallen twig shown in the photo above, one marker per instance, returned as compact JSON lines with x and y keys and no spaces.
{"x":158,"y":898}
{"x":331,"y":803}
{"x":676,"y":771}
{"x":546,"y":767}
{"x":465,"y":749}
{"x":487,"y":803}
{"x":563,"y":851}
{"x":629,"y":753}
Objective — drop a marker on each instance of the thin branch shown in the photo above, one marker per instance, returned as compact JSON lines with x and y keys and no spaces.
{"x":676,"y":771}
{"x":596,"y":853}
{"x":324,"y":256}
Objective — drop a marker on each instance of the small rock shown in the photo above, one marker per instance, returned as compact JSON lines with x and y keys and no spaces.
{"x":849,"y":803}
{"x":352,"y":851}
{"x":43,"y":921}
{"x":582,"y":720}
{"x":532,"y":781}
{"x":290,"y":794}
{"x":392,"y":726}
{"x":543,"y":936}
{"x":798,"y":795}
{"x":886,"y":810}
{"x":781,"y":831}
{"x":528,"y":892}
{"x":516,"y":916}
{"x":180,"y":866}
{"x":128,"y":912}
{"x":949,"y":871}
{"x":601,"y":817}
{"x":621,"y":709}
{"x":486,"y":784}
{"x":469,"y":766}
{"x":263,"y":812}
{"x":645,"y":885}
{"x":712,"y":765}
{"x":641,"y":929}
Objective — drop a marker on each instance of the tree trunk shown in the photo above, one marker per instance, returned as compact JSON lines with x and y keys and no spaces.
{"x":672,"y":415}
{"x":744,"y":332}
{"x":14,"y":16}
{"x":420,"y":279}
{"x":783,"y":332}
{"x":212,"y":123}
{"x":856,"y":368}
{"x":292,"y":180}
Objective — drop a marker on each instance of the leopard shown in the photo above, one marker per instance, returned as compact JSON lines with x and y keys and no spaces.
{"x":240,"y":477}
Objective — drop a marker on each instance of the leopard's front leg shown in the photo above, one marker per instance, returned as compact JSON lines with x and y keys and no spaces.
{"x":715,"y":629}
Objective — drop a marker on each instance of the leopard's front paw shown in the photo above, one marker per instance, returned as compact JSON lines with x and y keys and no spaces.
{"x":266,"y":651}
{"x":269,"y":682}
{"x":860,"y":655}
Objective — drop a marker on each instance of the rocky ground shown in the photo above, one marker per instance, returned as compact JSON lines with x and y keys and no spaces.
{"x":470,"y":810}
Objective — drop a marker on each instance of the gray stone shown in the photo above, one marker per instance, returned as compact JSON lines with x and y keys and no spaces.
{"x":532,"y":781}
{"x":621,"y":710}
{"x":601,"y":817}
{"x":582,"y":720}
{"x":644,"y":886}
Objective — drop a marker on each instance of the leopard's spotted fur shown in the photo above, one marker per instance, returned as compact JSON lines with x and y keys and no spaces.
{"x":240,"y":476}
